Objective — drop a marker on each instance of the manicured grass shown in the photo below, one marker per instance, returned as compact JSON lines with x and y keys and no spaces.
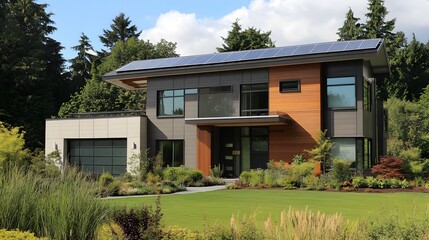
{"x":195,"y":210}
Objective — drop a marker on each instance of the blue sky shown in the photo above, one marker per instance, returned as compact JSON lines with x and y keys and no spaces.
{"x":197,"y":25}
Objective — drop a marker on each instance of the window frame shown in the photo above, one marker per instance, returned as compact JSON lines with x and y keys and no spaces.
{"x":341,"y":85}
{"x":367,"y":95}
{"x":158,"y":101}
{"x":212,"y":90}
{"x":298,"y":81}
{"x":173,"y":141}
{"x":253,"y":91}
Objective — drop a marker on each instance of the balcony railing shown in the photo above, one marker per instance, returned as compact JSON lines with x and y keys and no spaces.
{"x":107,"y":114}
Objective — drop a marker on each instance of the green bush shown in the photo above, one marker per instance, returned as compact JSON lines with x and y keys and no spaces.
{"x":256,"y":177}
{"x":177,"y":233}
{"x":18,"y":235}
{"x":182,"y":175}
{"x":216,"y":171}
{"x":311,"y":182}
{"x":425,"y":169}
{"x":245,"y":177}
{"x":341,"y":170}
{"x":372,"y":182}
{"x":65,"y":207}
{"x":296,"y":174}
{"x":411,"y":154}
{"x":271,"y":178}
{"x":105,"y":179}
{"x":359,"y":182}
{"x":143,"y":223}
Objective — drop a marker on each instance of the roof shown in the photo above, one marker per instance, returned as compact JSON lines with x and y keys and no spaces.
{"x":135,"y":74}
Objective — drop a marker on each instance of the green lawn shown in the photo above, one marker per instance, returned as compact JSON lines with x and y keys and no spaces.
{"x":194,"y":210}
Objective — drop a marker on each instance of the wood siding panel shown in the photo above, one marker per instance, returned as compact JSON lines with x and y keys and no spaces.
{"x":204,"y":149}
{"x":303,"y":107}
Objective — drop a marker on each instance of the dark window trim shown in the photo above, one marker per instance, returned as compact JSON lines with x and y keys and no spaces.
{"x":158,"y":97}
{"x":171,"y":140}
{"x":254,"y":91}
{"x":202,"y":93}
{"x":335,"y":85}
{"x":367,"y":90}
{"x":223,"y":89}
{"x":291,"y":90}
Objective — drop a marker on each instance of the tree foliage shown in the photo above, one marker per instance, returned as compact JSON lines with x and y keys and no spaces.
{"x":98,"y":96}
{"x":250,"y":38}
{"x":12,"y":147}
{"x":81,"y":65}
{"x":120,"y":30}
{"x":31,"y":68}
{"x":322,"y":150}
{"x":351,"y":29}
{"x":390,"y":167}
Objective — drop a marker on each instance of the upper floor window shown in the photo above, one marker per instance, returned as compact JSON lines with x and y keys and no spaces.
{"x":290,"y":86}
{"x":171,"y":103}
{"x":341,"y":92}
{"x":254,"y":99}
{"x":367,"y":95}
{"x":215,"y":102}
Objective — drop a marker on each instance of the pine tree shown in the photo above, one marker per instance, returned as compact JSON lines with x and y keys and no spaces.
{"x":81,"y":65}
{"x":250,"y":38}
{"x":351,"y":29}
{"x":120,"y":30}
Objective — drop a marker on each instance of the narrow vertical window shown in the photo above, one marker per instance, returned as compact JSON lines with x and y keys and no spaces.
{"x":367,"y":95}
{"x":254,"y":99}
{"x":171,"y":152}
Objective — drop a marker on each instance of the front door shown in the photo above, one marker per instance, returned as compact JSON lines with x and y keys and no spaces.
{"x":229,"y":151}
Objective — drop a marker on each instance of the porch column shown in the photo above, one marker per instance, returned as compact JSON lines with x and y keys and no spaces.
{"x":204,"y":137}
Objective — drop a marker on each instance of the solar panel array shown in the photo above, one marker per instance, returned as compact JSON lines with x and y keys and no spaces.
{"x":267,"y":53}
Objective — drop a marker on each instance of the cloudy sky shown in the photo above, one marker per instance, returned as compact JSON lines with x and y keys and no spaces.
{"x":197,"y":25}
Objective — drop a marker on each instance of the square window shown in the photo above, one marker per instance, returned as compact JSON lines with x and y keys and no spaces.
{"x":293,"y":85}
{"x":341,"y":92}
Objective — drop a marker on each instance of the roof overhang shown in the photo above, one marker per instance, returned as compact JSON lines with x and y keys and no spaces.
{"x":242,"y":121}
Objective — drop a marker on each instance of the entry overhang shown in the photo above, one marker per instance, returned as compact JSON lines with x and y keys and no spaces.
{"x":267,"y":120}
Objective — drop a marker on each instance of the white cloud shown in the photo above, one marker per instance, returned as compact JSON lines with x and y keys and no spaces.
{"x":290,"y":22}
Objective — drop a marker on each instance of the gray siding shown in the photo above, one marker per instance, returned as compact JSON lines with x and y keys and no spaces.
{"x":345,"y":123}
{"x":175,"y":128}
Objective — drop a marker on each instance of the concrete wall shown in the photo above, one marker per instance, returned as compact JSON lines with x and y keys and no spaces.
{"x":133,"y":128}
{"x":175,"y":128}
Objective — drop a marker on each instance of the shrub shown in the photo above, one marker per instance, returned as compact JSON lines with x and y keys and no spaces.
{"x":270,"y":178}
{"x":105,"y":179}
{"x":311,"y":182}
{"x":65,"y":207}
{"x":341,"y":170}
{"x":359,"y":182}
{"x":45,"y":166}
{"x":143,"y":223}
{"x":177,"y":233}
{"x":245,"y":177}
{"x":389,"y":167}
{"x":425,"y":169}
{"x":18,"y":235}
{"x":394,"y":183}
{"x":297,"y":173}
{"x":298,"y":159}
{"x":216,"y":171}
{"x":110,"y":231}
{"x":411,"y":154}
{"x":256,"y":177}
{"x":372,"y":182}
{"x":182,"y":175}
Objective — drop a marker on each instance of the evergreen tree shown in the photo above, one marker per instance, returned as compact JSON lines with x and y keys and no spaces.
{"x":120,"y":30}
{"x":351,"y":29}
{"x":81,"y":65}
{"x":31,"y":68}
{"x":250,"y":38}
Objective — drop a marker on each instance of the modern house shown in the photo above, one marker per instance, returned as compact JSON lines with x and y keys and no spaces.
{"x":240,"y":109}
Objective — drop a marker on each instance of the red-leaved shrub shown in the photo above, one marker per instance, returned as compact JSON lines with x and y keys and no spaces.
{"x":389,"y":167}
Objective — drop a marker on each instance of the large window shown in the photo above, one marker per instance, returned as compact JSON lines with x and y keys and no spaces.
{"x":341,"y":92}
{"x":171,"y":103}
{"x":215,"y":102}
{"x":254,"y":99}
{"x":171,"y":152}
{"x":99,"y":156}
{"x":345,"y":149}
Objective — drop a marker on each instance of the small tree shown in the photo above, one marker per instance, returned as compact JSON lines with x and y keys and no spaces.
{"x":322,"y":150}
{"x":390,"y":167}
{"x":12,"y":143}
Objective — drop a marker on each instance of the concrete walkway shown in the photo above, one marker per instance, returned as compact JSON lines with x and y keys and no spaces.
{"x":189,"y":190}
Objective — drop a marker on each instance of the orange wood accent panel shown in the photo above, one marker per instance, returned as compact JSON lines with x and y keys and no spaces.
{"x":303,"y":107}
{"x":204,"y":139}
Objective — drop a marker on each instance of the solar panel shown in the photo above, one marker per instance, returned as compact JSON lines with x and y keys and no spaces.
{"x":235,"y":56}
{"x":270,"y":52}
{"x":200,"y":59}
{"x":369,"y":43}
{"x":286,"y":51}
{"x":338,"y":46}
{"x":217,"y":58}
{"x":353,"y":45}
{"x":253,"y":54}
{"x":304,"y":49}
{"x":322,"y":48}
